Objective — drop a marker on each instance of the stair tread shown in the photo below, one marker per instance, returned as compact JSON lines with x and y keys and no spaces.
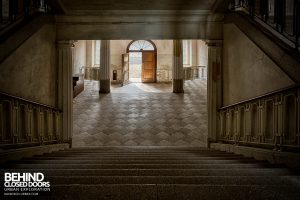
{"x":150,"y":165}
{"x":157,"y":173}
{"x":177,"y":191}
{"x":161,"y":172}
{"x":226,"y":180}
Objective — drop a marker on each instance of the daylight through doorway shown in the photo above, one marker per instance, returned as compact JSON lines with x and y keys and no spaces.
{"x":135,"y":67}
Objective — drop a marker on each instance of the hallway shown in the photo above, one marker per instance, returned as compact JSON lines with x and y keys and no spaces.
{"x":141,"y":115}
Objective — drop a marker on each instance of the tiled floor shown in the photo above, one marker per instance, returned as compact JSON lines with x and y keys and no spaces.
{"x":141,"y":115}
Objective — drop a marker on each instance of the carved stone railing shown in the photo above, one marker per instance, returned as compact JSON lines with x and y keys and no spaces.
{"x":26,"y":123}
{"x":91,"y":73}
{"x":269,"y":121}
{"x":190,"y":73}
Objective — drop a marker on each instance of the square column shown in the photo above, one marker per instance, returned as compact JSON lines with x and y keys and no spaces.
{"x":105,"y":66}
{"x":177,"y":67}
{"x":65,"y":63}
{"x":214,"y":86}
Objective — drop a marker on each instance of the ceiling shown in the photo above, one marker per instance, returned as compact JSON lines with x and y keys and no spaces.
{"x":96,"y":6}
{"x":139,"y":19}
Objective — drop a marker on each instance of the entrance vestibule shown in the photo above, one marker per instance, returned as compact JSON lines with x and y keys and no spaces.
{"x":139,"y":63}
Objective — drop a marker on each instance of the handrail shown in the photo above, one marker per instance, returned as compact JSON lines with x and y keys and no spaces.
{"x":261,"y":96}
{"x":15,"y":14}
{"x":274,"y":15}
{"x":29,"y":101}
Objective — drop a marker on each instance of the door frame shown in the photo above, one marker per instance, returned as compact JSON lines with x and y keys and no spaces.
{"x":155,"y":55}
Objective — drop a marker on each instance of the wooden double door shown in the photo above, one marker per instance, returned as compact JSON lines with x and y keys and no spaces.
{"x":148,"y":74}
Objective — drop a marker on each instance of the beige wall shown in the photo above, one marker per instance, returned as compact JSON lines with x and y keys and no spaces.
{"x":202,"y":58}
{"x":30,"y":71}
{"x":80,"y":56}
{"x":164,"y":60}
{"x":117,"y":48}
{"x":198,"y":56}
{"x":164,"y":57}
{"x":247,"y":71}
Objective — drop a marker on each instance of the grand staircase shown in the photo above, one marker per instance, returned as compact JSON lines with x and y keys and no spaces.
{"x":138,"y":173}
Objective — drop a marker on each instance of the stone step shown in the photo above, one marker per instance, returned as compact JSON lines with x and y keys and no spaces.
{"x":141,"y":149}
{"x":232,"y":166}
{"x":133,"y":150}
{"x":174,"y":192}
{"x":143,"y":154}
{"x":159,"y":172}
{"x":123,"y":161}
{"x":99,"y":161}
{"x":135,"y":158}
{"x":203,"y":180}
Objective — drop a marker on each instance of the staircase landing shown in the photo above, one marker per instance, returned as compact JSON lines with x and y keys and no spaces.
{"x":159,"y":173}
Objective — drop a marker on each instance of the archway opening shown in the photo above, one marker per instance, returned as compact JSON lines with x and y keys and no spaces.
{"x":142,"y":61}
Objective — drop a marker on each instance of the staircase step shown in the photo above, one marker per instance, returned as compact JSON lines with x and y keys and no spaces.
{"x":141,"y":149}
{"x":136,"y":158}
{"x":160,"y":172}
{"x":123,"y":161}
{"x":175,"y":192}
{"x":142,"y":154}
{"x":199,"y":180}
{"x":136,"y":173}
{"x":138,"y":166}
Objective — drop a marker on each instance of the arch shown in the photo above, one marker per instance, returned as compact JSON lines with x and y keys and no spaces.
{"x":141,"y":45}
{"x":147,"y":51}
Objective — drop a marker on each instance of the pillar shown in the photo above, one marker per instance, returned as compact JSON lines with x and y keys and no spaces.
{"x":105,"y":66}
{"x":65,"y":87}
{"x":177,"y":67}
{"x":214,"y":86}
{"x":89,"y":53}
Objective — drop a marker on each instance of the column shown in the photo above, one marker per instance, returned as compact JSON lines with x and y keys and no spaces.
{"x":65,"y":87}
{"x":105,"y":66}
{"x":89,"y":53}
{"x":214,"y":86}
{"x":177,"y":67}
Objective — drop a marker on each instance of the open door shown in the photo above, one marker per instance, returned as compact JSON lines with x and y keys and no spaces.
{"x":148,"y":67}
{"x":125,"y":69}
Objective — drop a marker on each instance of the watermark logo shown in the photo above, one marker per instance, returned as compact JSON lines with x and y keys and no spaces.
{"x":25,"y":184}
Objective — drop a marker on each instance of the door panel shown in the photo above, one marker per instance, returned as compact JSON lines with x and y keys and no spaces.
{"x":149,"y":67}
{"x":125,"y":69}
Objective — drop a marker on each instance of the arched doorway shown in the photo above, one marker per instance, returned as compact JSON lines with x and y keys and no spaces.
{"x":141,"y":61}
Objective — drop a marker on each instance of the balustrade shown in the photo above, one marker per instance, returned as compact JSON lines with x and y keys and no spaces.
{"x":270,"y":121}
{"x":91,"y":73}
{"x":190,"y":73}
{"x":12,"y":11}
{"x":23,"y":122}
{"x":281,"y":15}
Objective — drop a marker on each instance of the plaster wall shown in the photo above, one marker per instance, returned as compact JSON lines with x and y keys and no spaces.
{"x":117,"y":48}
{"x":202,"y":58}
{"x":80,"y":56}
{"x":202,"y":53}
{"x":247,"y":71}
{"x":30,"y":71}
{"x":164,"y":58}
